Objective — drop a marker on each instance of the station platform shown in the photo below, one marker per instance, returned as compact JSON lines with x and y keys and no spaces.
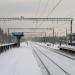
{"x":19,"y":61}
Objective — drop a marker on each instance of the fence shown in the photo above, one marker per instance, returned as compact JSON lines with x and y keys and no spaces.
{"x":5,"y":47}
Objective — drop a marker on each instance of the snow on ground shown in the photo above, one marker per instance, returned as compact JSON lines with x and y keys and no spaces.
{"x":19,"y":61}
{"x":55,"y":46}
{"x":50,"y":45}
{"x":66,"y":63}
{"x":68,"y":47}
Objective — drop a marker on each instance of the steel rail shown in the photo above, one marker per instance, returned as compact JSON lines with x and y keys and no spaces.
{"x":53,"y":61}
{"x":58,"y":53}
{"x":41,"y":62}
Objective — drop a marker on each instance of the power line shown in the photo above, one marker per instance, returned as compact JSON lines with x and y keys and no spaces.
{"x":53,"y":9}
{"x":45,"y":7}
{"x":39,"y":3}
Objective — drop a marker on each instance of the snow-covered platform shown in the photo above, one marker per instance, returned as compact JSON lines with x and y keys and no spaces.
{"x":19,"y":61}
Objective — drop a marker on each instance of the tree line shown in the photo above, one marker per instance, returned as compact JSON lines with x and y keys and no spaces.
{"x":4,"y":37}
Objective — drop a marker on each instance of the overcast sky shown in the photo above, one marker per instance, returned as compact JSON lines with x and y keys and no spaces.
{"x":36,"y":8}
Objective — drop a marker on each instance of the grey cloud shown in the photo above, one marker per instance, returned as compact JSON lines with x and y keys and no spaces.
{"x":16,"y":8}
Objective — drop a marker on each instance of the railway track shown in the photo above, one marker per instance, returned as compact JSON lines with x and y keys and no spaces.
{"x":48,"y":72}
{"x":65,"y":55}
{"x":50,"y":60}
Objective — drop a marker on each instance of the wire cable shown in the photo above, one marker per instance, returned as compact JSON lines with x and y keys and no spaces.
{"x":45,"y":7}
{"x":39,"y":4}
{"x":53,"y":9}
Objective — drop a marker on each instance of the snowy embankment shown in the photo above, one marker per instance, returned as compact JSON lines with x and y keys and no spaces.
{"x":19,"y":61}
{"x":50,"y":45}
{"x":67,"y":47}
{"x":57,"y":46}
{"x":56,"y":63}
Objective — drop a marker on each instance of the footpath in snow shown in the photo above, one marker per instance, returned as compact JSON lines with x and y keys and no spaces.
{"x":19,"y":61}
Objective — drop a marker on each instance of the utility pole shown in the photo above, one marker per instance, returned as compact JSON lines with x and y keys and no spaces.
{"x":66,"y":32}
{"x":8,"y":31}
{"x":53,"y":36}
{"x":66,"y":35}
{"x":71,"y":32}
{"x":45,"y":36}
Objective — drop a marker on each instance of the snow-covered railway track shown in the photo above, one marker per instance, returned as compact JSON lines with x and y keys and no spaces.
{"x":61,"y":53}
{"x":49,"y":60}
{"x":48,"y":72}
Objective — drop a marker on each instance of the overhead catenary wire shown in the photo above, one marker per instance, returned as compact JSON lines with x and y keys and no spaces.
{"x":37,"y":11}
{"x":39,"y":4}
{"x":45,"y":7}
{"x":52,"y":10}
